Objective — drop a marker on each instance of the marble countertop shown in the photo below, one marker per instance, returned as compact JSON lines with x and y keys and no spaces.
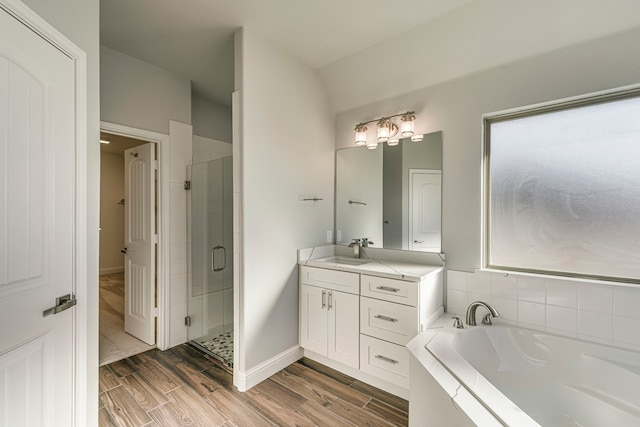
{"x":393,"y":269}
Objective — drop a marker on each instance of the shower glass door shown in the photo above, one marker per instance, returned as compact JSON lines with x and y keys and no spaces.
{"x":210,"y":289}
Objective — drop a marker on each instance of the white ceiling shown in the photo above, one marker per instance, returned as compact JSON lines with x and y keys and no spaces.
{"x":357,"y":46}
{"x":194,"y":38}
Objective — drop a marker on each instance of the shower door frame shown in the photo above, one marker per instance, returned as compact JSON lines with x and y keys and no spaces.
{"x":198,"y":306}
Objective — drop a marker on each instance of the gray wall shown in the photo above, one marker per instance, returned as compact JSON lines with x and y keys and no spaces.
{"x":456,"y":108}
{"x":210,"y":119}
{"x":137,"y":94}
{"x":286,"y":152}
{"x":79,"y":21}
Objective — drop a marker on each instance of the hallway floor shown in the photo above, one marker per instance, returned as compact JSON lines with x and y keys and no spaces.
{"x":182,"y":387}
{"x":115,"y":343}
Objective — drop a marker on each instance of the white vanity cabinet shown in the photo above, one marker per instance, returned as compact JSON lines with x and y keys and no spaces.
{"x":392,"y":313}
{"x":329,"y":307}
{"x":358,"y":318}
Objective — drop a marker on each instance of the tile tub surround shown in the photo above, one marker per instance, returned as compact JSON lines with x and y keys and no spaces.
{"x":598,"y":312}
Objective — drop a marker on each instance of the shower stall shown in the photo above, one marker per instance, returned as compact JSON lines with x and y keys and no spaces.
{"x":210,"y":288}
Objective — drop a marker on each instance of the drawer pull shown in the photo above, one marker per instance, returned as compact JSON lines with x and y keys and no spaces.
{"x":388,"y":319}
{"x":386,"y":359}
{"x":324,"y":298}
{"x":388,"y":289}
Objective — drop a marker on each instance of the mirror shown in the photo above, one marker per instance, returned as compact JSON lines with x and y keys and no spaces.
{"x":391,"y":195}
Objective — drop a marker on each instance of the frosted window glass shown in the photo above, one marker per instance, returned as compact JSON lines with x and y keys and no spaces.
{"x":564,"y":191}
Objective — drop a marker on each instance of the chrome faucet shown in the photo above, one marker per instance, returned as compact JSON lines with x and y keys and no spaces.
{"x":486,"y":320}
{"x":356,"y":245}
{"x":366,"y":242}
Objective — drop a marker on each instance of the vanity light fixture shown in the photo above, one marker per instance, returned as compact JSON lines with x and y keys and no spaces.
{"x":387,"y":130}
{"x":361,"y":135}
{"x":104,"y":141}
{"x":406,"y":128}
{"x":372,"y":145}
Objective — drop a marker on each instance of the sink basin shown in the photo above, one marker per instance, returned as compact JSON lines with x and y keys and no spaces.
{"x":344,"y":260}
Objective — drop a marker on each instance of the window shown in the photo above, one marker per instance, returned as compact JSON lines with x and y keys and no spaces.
{"x":563,"y":188}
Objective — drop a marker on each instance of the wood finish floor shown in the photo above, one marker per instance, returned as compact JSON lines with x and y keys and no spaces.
{"x":182,"y":387}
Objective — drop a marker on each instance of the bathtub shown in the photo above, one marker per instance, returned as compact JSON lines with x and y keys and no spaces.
{"x":497,"y":375}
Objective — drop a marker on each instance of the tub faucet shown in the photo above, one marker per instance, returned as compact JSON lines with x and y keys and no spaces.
{"x":356,"y":245}
{"x":486,"y":320}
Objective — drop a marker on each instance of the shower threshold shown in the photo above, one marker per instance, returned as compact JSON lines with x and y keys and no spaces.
{"x":219,"y":347}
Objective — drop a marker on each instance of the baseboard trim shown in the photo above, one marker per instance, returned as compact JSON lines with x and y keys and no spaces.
{"x":111,"y":270}
{"x":246,"y":380}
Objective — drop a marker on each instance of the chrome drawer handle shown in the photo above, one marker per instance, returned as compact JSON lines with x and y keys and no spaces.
{"x":386,"y":288}
{"x":386,"y":359}
{"x":388,"y":319}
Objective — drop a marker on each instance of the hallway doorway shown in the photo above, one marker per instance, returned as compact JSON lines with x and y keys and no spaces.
{"x":116,"y":287}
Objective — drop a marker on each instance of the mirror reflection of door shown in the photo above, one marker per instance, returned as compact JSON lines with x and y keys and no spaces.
{"x":425,"y":206}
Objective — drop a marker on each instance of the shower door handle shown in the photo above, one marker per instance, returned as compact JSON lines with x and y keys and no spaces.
{"x":224,"y":257}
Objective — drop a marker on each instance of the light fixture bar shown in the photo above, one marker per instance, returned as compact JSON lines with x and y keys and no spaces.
{"x":408,"y":113}
{"x":386,"y":129}
{"x":104,"y":141}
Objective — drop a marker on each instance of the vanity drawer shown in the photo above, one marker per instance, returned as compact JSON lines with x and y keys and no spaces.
{"x":387,"y":320}
{"x":399,"y":291}
{"x":330,"y":279}
{"x":385,"y":360}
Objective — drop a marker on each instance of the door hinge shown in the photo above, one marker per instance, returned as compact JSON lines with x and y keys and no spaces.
{"x":154,"y":164}
{"x":155,"y":312}
{"x":154,"y":239}
{"x":187,"y":185}
{"x":187,"y":321}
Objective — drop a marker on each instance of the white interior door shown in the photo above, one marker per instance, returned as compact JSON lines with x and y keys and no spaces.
{"x":425,"y":207}
{"x":140,"y":241}
{"x":37,"y":222}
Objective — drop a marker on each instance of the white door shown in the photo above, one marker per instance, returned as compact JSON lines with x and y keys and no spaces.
{"x":140,"y":241}
{"x":37,"y":222}
{"x":425,"y":207}
{"x":343,"y":342}
{"x":313,"y":319}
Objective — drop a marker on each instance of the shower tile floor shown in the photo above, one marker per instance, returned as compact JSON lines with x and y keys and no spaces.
{"x":220,"y":347}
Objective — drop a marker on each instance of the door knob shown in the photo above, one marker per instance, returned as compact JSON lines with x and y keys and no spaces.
{"x":124,"y":251}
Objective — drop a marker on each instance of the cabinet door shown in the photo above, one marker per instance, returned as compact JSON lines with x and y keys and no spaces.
{"x":313,"y":319}
{"x":344,"y":329}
